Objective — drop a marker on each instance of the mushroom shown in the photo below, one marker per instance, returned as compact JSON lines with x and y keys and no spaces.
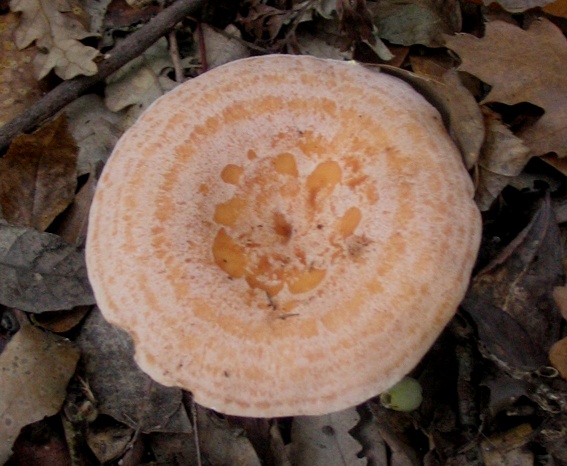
{"x":283,"y":235}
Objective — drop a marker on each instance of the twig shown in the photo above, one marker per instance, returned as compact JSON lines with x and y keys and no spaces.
{"x":175,"y":58}
{"x":202,"y":47}
{"x":69,"y":90}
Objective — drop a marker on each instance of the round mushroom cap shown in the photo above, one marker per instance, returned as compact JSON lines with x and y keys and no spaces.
{"x":283,"y":235}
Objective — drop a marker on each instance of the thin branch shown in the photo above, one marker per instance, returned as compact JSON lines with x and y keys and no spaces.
{"x":202,"y":47}
{"x":68,"y":91}
{"x":175,"y":58}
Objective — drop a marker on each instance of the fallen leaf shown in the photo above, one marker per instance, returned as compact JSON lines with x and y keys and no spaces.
{"x":325,"y":440}
{"x":464,"y":117}
{"x":536,"y":75}
{"x":502,"y":158}
{"x":557,"y":8}
{"x":38,"y":176}
{"x":109,"y":440}
{"x":95,"y":128}
{"x":263,"y":435}
{"x":503,"y":391}
{"x":41,"y":444}
{"x":173,"y":448}
{"x":72,"y":224}
{"x":264,"y":23}
{"x":460,"y":112}
{"x":221,"y":444}
{"x":355,"y":20}
{"x":552,"y":437}
{"x":120,"y":388}
{"x":322,"y":45}
{"x":417,"y":22}
{"x":57,"y":32}
{"x":138,"y":83}
{"x":392,"y":426}
{"x":221,"y":48}
{"x":325,"y":8}
{"x":560,"y":297}
{"x":374,"y":448}
{"x":18,"y":88}
{"x":518,"y":6}
{"x":558,"y":357}
{"x":510,"y":300}
{"x":36,"y":367}
{"x":96,"y":11}
{"x":507,"y":448}
{"x":60,"y":321}
{"x":40,"y":272}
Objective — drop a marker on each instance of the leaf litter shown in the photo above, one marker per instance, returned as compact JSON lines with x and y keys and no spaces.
{"x":494,"y":383}
{"x":56,"y":29}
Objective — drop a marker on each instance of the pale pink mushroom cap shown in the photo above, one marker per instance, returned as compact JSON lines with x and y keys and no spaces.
{"x":283,"y":235}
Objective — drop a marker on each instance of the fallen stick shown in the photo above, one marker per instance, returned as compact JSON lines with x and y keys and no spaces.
{"x":68,"y":91}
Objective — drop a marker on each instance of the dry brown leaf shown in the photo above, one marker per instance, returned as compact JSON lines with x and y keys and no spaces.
{"x":221,"y":444}
{"x":108,"y":440}
{"x":325,"y":440}
{"x":173,"y":448}
{"x":40,"y":272}
{"x":511,"y":300}
{"x":223,"y":48}
{"x":322,"y":45}
{"x":72,"y":224}
{"x":560,"y":297}
{"x":36,"y":367}
{"x":60,"y":321}
{"x":503,"y":157}
{"x":417,"y":22}
{"x":507,"y":448}
{"x":121,"y":389}
{"x":523,"y":66}
{"x":264,"y":23}
{"x":518,"y":6}
{"x":558,"y":357}
{"x":457,"y":106}
{"x":138,"y":83}
{"x":18,"y":88}
{"x":57,"y":31}
{"x":95,"y":129}
{"x":356,"y":22}
{"x":38,"y":176}
{"x":557,"y":8}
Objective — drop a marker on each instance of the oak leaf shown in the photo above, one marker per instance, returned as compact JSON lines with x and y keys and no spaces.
{"x":57,"y":34}
{"x":523,"y":66}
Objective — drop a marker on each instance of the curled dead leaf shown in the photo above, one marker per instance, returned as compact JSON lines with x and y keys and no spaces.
{"x":502,"y":158}
{"x":510,"y":300}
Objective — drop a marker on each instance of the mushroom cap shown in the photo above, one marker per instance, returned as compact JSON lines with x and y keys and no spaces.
{"x":283,"y":235}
